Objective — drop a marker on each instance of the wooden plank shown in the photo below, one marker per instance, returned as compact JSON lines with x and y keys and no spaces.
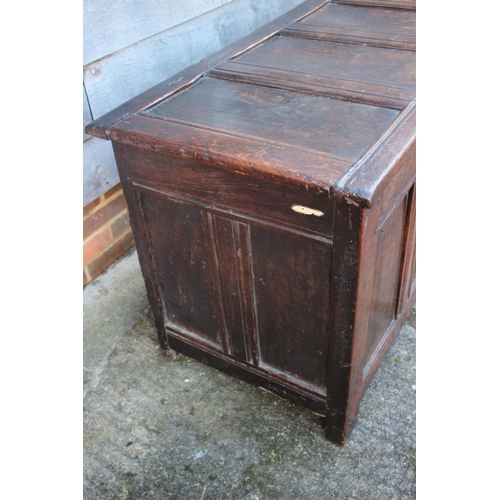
{"x":393,"y":4}
{"x":99,"y":169}
{"x":306,"y":77}
{"x":109,"y":25}
{"x":87,"y":115}
{"x":391,"y":21}
{"x":226,"y":152}
{"x":357,"y":63}
{"x":349,"y":35}
{"x":162,"y":56}
{"x":342,"y":130}
{"x":299,"y":82}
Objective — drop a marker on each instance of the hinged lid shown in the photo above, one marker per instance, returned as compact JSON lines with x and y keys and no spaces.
{"x":313,"y":97}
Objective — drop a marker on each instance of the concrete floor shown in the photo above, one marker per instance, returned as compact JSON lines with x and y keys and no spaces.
{"x":175,"y":429}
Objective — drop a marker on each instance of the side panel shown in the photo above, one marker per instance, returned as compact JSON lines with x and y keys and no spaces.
{"x":387,"y":272}
{"x":394,"y":283}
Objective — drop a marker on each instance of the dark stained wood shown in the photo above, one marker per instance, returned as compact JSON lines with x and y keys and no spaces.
{"x":395,"y":4}
{"x":247,"y":156}
{"x":292,"y":281}
{"x":342,"y":130}
{"x":375,"y":175}
{"x":312,"y":84}
{"x":231,"y":254}
{"x":378,"y":27}
{"x":387,"y":268}
{"x":350,"y":35}
{"x":409,"y":262}
{"x":271,"y":192}
{"x":231,"y":193}
{"x":386,"y":68}
{"x":179,"y":240}
{"x":389,"y":21}
{"x":390,"y":69}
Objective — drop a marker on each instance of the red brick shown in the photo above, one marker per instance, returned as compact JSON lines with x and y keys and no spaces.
{"x":120,"y":225}
{"x":96,"y":245}
{"x":87,"y":209}
{"x":98,"y":219}
{"x":112,"y":191}
{"x":98,"y":265}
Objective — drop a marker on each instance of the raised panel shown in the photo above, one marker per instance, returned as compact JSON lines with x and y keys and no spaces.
{"x":387,"y":274}
{"x":340,"y":129}
{"x":390,"y":21}
{"x":180,"y":247}
{"x":391,"y":28}
{"x":357,"y":63}
{"x":291,"y":278}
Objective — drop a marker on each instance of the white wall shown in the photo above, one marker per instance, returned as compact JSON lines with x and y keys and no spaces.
{"x":132,"y":45}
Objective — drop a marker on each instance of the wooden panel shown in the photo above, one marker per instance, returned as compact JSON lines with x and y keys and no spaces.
{"x":387,"y":275}
{"x":251,"y":157}
{"x":99,"y":169}
{"x":180,"y":247}
{"x":213,"y":188}
{"x":350,"y":35}
{"x":395,"y":4}
{"x":291,"y":277}
{"x":389,"y":21}
{"x":409,"y":263}
{"x":114,"y":80}
{"x":232,"y":259}
{"x":372,"y":65}
{"x":110,"y":26}
{"x":311,"y":84}
{"x":341,"y":129}
{"x":377,"y":27}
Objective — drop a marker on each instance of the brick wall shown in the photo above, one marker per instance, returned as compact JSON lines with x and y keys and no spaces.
{"x":106,"y":232}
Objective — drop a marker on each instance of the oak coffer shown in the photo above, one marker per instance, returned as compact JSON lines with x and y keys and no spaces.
{"x":271,"y":190}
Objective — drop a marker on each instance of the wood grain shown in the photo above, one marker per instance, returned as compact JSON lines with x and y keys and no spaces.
{"x":338,"y":88}
{"x":292,"y":280}
{"x":378,"y":27}
{"x":391,"y":69}
{"x":389,"y":21}
{"x":343,"y":130}
{"x":394,"y":4}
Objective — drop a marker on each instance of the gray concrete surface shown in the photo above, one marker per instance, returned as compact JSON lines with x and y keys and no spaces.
{"x":156,"y":428}
{"x":112,"y":304}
